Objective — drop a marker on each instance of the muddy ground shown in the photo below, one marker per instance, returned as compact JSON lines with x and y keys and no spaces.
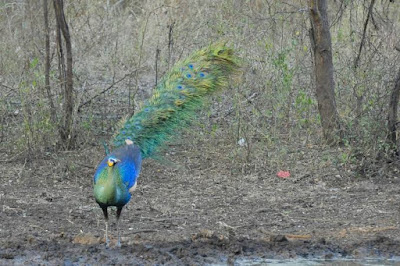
{"x":195,"y":212}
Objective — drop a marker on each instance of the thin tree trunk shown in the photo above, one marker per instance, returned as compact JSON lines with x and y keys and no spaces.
{"x":357,"y":60}
{"x":360,"y":98}
{"x":61,"y":60}
{"x":47,"y":65}
{"x":392,"y":113}
{"x":322,"y":47}
{"x":157,"y":57}
{"x":170,"y":43}
{"x":67,"y":124}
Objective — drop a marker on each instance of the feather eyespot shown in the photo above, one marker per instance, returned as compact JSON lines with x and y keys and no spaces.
{"x":123,"y":132}
{"x":191,"y":66}
{"x":179,"y":87}
{"x":202,"y":74}
{"x":178,"y":102}
{"x":188,"y":75}
{"x":147,"y":109}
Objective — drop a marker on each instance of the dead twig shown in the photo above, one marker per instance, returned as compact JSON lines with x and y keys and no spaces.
{"x":106,"y":89}
{"x":144,"y":231}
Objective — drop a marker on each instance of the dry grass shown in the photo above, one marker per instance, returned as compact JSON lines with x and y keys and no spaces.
{"x":271,"y":107}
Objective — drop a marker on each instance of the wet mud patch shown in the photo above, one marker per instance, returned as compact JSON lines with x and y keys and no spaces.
{"x":204,"y":250}
{"x":196,"y":216}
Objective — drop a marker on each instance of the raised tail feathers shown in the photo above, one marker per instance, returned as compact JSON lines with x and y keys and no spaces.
{"x":177,"y":97}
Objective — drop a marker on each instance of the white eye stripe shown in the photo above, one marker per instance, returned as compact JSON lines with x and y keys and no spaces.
{"x":113,"y":160}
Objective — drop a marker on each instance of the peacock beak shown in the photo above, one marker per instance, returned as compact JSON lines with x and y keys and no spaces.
{"x":112,"y":161}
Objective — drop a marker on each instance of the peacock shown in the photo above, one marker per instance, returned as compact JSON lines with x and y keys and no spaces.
{"x":174,"y":103}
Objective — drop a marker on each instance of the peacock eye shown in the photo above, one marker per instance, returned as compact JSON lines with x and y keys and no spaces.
{"x":112,"y":161}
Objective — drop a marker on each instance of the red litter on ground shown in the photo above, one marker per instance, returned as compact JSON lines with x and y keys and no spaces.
{"x":283,"y":174}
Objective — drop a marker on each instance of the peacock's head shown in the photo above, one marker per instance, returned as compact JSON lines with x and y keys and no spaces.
{"x":112,"y":161}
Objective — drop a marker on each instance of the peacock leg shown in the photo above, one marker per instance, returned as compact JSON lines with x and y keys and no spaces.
{"x":106,"y":219}
{"x":119,"y":209}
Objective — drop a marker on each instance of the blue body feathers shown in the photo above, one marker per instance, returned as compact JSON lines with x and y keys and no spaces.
{"x":116,"y":175}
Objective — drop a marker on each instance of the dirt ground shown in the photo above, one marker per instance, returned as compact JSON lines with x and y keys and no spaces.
{"x":195,"y":214}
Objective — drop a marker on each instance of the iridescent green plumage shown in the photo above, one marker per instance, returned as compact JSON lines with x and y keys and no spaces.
{"x":177,"y":98}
